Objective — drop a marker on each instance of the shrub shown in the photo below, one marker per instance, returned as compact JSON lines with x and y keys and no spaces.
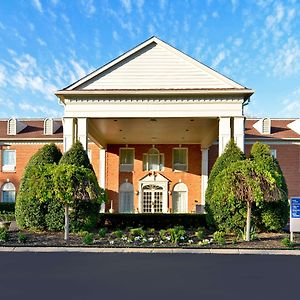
{"x":137,"y":232}
{"x":54,"y":216}
{"x":7,"y":207}
{"x":219,"y":237}
{"x":76,"y":156}
{"x":286,"y":242}
{"x":200,"y":233}
{"x":177,"y":234}
{"x":3,"y":235}
{"x":36,"y":188}
{"x":22,"y":238}
{"x":102,"y":232}
{"x":231,"y":154}
{"x":7,"y":216}
{"x":88,"y":239}
{"x":271,"y":216}
{"x":118,"y":234}
{"x":253,"y":234}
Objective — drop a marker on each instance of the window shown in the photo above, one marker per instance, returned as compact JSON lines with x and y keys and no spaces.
{"x":48,"y":126}
{"x":8,"y":160}
{"x":274,"y":153}
{"x":11,"y":126}
{"x":126,"y":159}
{"x":266,"y":126}
{"x":8,"y":192}
{"x":180,"y":159}
{"x":179,"y":198}
{"x":153,"y":160}
{"x":126,"y":198}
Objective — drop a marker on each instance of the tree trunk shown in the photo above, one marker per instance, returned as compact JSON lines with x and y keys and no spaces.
{"x":66,"y":223}
{"x":248,"y":224}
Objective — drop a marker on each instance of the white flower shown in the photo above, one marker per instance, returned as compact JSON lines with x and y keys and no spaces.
{"x":160,"y":242}
{"x":111,"y":242}
{"x":168,"y":238}
{"x":150,"y":239}
{"x":137,"y":238}
{"x":190,"y":241}
{"x":144,"y":240}
{"x":182,"y":237}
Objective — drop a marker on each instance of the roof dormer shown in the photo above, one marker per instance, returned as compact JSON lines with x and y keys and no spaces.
{"x":50,"y":126}
{"x":14,"y":126}
{"x":295,"y":126}
{"x":263,"y":126}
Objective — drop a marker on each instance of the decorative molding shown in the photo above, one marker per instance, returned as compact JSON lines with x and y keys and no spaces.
{"x":184,"y":100}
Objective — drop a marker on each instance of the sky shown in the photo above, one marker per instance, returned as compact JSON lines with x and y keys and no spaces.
{"x":45,"y":45}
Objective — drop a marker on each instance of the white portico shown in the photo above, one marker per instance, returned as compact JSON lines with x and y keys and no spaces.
{"x":154,"y":94}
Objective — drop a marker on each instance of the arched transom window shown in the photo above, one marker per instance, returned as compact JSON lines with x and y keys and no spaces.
{"x":8,"y":192}
{"x":126,"y":198}
{"x":153,"y":160}
{"x":180,"y":198}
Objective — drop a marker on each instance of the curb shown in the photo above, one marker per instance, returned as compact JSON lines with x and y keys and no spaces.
{"x":148,"y":250}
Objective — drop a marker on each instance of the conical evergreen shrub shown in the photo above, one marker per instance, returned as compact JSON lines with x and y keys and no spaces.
{"x":215,"y":210}
{"x":35,"y":188}
{"x":76,"y":156}
{"x":271,"y":216}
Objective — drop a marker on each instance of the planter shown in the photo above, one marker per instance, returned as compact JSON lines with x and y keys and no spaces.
{"x":5,"y":224}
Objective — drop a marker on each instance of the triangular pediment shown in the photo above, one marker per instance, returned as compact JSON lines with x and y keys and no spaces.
{"x":154,"y":65}
{"x":154,"y":177}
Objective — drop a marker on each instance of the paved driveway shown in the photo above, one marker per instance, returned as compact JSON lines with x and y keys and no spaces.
{"x":147,"y":276}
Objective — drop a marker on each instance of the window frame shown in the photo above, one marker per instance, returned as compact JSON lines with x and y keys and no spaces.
{"x":185,"y":169}
{"x":124,"y":167}
{"x":3,"y":192}
{"x":8,"y":167}
{"x":273,"y":153}
{"x":126,"y":189}
{"x":161,"y":160}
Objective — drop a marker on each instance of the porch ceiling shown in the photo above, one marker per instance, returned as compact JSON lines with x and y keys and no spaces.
{"x":153,"y":131}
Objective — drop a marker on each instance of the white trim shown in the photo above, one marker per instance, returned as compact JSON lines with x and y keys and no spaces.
{"x":204,"y":173}
{"x":102,"y":173}
{"x":224,"y":133}
{"x":180,"y":187}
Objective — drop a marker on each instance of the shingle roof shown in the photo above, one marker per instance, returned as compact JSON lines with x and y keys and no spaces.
{"x":34,"y":130}
{"x":279,"y":130}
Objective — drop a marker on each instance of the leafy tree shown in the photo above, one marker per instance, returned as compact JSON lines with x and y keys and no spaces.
{"x":231,"y":154}
{"x":245,"y":181}
{"x":73,"y":183}
{"x":76,"y":156}
{"x":35,"y":188}
{"x":272,"y":216}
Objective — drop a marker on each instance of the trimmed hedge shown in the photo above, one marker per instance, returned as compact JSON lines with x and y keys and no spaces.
{"x":157,"y":221}
{"x":7,"y":206}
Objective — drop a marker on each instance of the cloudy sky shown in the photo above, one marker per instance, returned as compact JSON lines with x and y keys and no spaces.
{"x":47,"y":44}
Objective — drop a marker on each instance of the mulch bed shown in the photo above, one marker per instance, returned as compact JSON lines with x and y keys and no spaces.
{"x":54,"y":239}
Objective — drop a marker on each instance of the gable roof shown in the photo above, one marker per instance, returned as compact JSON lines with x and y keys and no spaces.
{"x":152,"y":66}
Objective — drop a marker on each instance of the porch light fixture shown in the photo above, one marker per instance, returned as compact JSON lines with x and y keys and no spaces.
{"x":153,"y":120}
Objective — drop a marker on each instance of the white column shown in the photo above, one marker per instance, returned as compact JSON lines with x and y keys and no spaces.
{"x":239,"y":129}
{"x":204,"y":174}
{"x":68,"y":133}
{"x":224,"y":133}
{"x":82,"y":132}
{"x":102,"y":173}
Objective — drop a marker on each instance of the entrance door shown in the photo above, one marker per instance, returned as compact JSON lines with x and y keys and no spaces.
{"x":152,"y":199}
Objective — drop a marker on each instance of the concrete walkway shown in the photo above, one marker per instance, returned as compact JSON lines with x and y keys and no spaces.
{"x":150,"y":250}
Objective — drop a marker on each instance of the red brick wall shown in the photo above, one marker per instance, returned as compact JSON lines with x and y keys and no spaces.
{"x":288,"y":156}
{"x":192,"y":178}
{"x":24,"y":153}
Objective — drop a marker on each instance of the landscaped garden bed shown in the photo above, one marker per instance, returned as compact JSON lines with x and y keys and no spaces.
{"x":137,"y":237}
